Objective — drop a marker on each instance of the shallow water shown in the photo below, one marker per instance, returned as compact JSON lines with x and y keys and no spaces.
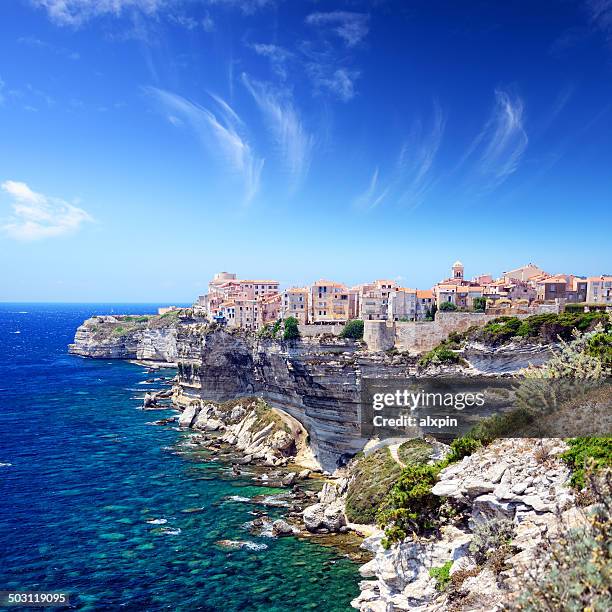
{"x":96,"y":501}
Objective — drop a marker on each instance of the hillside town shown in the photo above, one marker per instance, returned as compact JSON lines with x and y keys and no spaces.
{"x":252,"y":303}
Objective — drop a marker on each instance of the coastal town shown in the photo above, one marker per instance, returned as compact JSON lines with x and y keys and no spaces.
{"x":252,"y":303}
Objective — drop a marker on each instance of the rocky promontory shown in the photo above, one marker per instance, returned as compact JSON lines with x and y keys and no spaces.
{"x":142,"y":337}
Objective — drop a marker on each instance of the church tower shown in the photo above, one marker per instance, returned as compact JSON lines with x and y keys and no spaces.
{"x":458,"y":270}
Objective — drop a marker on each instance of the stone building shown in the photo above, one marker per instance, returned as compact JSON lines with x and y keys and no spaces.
{"x":330,"y":302}
{"x":294,"y":303}
{"x":599,"y":290}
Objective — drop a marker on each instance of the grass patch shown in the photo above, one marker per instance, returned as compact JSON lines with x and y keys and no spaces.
{"x":415,"y":451}
{"x":410,"y":506}
{"x":585,"y":453}
{"x":372,"y":478}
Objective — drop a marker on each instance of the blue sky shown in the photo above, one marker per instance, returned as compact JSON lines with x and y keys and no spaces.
{"x":146,"y":144}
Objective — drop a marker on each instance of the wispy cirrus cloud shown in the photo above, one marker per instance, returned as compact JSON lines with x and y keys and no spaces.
{"x":278,"y":57}
{"x":340,"y":82}
{"x":294,"y":143}
{"x":417,"y":157}
{"x":411,"y":177}
{"x":497,"y":150}
{"x":351,"y":27}
{"x":248,"y":7}
{"x":600,"y":15}
{"x":37,"y":216}
{"x":222,"y":132}
{"x":373,"y":195}
{"x":76,"y":12}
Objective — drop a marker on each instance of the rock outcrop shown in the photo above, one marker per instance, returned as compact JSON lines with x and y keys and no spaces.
{"x":146,"y":337}
{"x":327,"y":516}
{"x":257,"y":430}
{"x":521,"y":482}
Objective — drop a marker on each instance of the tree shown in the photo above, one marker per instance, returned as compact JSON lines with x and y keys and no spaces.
{"x":447,"y":307}
{"x":353,"y":329}
{"x":480,"y":303}
{"x":292,"y":331}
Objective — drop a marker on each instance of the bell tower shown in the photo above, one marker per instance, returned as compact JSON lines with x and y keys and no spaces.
{"x":458,"y":270}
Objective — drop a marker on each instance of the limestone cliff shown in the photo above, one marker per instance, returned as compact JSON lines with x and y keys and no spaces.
{"x":315,"y":380}
{"x":145,"y":337}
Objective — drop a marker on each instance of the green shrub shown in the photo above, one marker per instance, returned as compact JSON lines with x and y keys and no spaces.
{"x":505,"y":425}
{"x":270,"y":330}
{"x":353,"y":329}
{"x":410,"y":507}
{"x":600,"y":347}
{"x":291,"y":331}
{"x":543,"y":327}
{"x":447,"y":307}
{"x":462,"y":447}
{"x":489,"y":536}
{"x":439,"y":355}
{"x":480,"y":304}
{"x":372,"y":476}
{"x":441,"y":575}
{"x":500,"y":330}
{"x":584,"y":453}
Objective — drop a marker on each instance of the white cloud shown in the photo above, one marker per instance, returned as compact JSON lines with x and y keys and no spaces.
{"x":410,"y":178}
{"x":502,"y":142}
{"x":373,"y":195}
{"x":248,"y":7}
{"x":277,"y":55}
{"x":223,"y":134}
{"x":352,"y":28}
{"x":340,"y":82}
{"x":37,"y":216}
{"x":75,"y":12}
{"x":600,"y":13}
{"x":417,"y":157}
{"x":294,"y":143}
{"x":191,"y":23}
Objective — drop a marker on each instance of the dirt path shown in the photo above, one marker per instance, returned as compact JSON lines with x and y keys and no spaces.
{"x":393,"y":449}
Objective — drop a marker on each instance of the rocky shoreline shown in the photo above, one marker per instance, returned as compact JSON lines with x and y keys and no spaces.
{"x":285,"y":414}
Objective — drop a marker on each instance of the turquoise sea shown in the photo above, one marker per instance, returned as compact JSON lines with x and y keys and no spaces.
{"x":93,"y":497}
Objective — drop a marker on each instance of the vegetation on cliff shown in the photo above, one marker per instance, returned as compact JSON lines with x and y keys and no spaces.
{"x":544,"y":328}
{"x":371,"y":478}
{"x":410,"y":506}
{"x":291,"y":330}
{"x":573,"y":570}
{"x":353,"y":329}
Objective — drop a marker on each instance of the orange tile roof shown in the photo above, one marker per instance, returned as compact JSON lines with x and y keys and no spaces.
{"x":599,"y":278}
{"x":424,"y":293}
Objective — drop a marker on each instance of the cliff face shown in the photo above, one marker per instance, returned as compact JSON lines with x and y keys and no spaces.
{"x":125,"y":337}
{"x":317,"y":381}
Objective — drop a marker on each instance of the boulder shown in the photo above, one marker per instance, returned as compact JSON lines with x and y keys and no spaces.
{"x":188,"y":416}
{"x":321,"y":516}
{"x":282,"y":528}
